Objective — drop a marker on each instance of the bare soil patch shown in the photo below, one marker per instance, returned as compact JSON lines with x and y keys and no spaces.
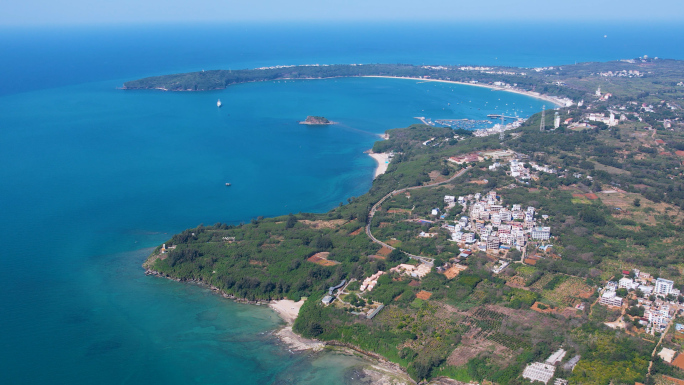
{"x":356,"y":232}
{"x":454,"y":270}
{"x":385,"y":251}
{"x":333,"y":224}
{"x":322,"y":259}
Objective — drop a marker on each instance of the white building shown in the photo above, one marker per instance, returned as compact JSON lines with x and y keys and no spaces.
{"x":663,"y":286}
{"x":627,"y":283}
{"x":538,"y":371}
{"x":609,"y":298}
{"x":556,"y":357}
{"x":496,"y":219}
{"x":540,"y":233}
{"x":647,"y":290}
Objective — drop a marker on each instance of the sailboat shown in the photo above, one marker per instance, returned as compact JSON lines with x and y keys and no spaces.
{"x":218,"y":104}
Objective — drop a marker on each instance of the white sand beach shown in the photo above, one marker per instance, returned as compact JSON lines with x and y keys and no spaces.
{"x":535,"y":95}
{"x":383,"y":163}
{"x":287,"y":309}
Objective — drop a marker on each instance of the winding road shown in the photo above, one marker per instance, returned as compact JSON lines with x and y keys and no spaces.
{"x":375,"y":207}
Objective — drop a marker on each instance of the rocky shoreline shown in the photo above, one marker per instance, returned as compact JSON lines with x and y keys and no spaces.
{"x":379,"y":371}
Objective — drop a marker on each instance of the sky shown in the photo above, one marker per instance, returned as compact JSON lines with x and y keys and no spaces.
{"x":88,"y":12}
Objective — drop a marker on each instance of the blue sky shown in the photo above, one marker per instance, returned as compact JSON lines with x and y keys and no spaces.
{"x":68,"y":12}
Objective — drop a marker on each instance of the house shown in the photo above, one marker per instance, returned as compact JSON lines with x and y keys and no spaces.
{"x":627,"y":283}
{"x":370,"y":282}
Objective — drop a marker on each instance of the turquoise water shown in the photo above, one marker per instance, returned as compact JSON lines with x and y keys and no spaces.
{"x":99,"y":173}
{"x":92,"y":177}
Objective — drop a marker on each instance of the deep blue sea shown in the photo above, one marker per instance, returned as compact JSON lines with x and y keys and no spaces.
{"x":92,"y":177}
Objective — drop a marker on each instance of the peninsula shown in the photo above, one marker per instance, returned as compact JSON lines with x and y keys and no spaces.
{"x":552,"y":252}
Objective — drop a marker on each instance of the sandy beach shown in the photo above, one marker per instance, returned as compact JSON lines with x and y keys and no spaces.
{"x":383,"y":163}
{"x":535,"y":95}
{"x":287,"y":309}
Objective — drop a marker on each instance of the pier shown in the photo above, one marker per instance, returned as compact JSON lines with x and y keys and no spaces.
{"x":495,"y":116}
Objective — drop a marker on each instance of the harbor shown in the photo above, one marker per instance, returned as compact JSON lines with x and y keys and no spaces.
{"x":480,"y":127}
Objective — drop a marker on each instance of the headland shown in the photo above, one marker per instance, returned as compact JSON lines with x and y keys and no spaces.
{"x":485,"y":258}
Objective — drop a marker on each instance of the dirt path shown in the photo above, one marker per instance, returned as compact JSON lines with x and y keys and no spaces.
{"x":375,"y":207}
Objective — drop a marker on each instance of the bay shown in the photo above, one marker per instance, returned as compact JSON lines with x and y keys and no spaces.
{"x":92,"y":177}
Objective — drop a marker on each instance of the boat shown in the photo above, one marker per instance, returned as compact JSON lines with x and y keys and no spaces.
{"x":218,"y":104}
{"x":228,"y":184}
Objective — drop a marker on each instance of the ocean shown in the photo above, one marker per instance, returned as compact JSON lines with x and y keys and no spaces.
{"x":92,"y":177}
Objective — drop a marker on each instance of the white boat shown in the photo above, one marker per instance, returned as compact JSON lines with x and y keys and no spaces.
{"x":218,"y":104}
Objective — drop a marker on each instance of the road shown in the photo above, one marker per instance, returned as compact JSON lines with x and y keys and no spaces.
{"x":427,"y":260}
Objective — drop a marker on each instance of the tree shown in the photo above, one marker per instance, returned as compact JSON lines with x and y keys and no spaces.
{"x":637,"y":202}
{"x":291,"y":221}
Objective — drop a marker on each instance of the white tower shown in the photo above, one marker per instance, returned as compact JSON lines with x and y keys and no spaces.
{"x":598,"y":91}
{"x":612,"y":122}
{"x":543,"y":119}
{"x":556,"y":120}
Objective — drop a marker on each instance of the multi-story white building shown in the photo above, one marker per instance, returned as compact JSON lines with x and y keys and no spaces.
{"x":520,"y":241}
{"x":506,"y":239}
{"x":496,"y":219}
{"x":540,"y":233}
{"x":518,"y":214}
{"x":609,"y":298}
{"x":663,"y":286}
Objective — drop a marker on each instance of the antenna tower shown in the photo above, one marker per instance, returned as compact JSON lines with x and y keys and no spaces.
{"x":501,"y":134}
{"x":543,"y":119}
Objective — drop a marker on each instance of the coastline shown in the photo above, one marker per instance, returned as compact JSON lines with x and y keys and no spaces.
{"x":379,"y":370}
{"x":382,"y":159}
{"x":531,"y":94}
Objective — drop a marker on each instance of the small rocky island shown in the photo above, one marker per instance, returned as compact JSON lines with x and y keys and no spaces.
{"x":317,"y":121}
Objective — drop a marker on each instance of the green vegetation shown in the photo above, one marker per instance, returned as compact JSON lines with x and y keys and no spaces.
{"x":658,"y":81}
{"x":477,"y":325}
